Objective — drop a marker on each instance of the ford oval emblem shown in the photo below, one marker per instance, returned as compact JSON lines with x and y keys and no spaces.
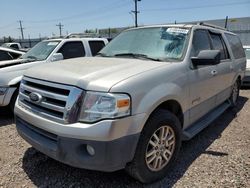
{"x":35,"y":97}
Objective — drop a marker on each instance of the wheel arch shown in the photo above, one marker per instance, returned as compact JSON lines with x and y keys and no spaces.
{"x":172,"y":106}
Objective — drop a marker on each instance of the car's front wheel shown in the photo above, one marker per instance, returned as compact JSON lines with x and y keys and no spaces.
{"x":13,"y":100}
{"x":158,"y":147}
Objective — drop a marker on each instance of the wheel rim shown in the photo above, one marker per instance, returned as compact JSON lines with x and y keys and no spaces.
{"x":160,"y":148}
{"x":235,"y":92}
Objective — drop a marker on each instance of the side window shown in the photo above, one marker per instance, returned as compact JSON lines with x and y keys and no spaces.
{"x":15,"y":46}
{"x":200,"y":42}
{"x":236,"y":46}
{"x":218,"y":44}
{"x":4,"y":56}
{"x":15,"y":55}
{"x":72,"y":50}
{"x":96,"y":46}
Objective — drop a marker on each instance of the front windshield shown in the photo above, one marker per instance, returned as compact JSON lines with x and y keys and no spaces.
{"x":5,"y":45}
{"x":41,"y":51}
{"x":247,"y":51}
{"x":161,"y":43}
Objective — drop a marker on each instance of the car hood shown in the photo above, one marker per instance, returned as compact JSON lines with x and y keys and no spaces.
{"x":9,"y":63}
{"x":96,"y":73}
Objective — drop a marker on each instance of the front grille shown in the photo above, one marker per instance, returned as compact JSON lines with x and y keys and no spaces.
{"x":57,"y":102}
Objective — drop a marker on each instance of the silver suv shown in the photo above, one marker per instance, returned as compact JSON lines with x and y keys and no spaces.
{"x":150,"y":88}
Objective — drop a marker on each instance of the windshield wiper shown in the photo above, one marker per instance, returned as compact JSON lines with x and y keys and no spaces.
{"x":102,"y":55}
{"x":32,"y":57}
{"x":135,"y":55}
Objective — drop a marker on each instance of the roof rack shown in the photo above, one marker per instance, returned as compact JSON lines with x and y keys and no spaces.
{"x":82,"y":35}
{"x":211,"y":25}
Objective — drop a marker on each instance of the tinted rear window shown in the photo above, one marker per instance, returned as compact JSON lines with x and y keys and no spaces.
{"x":236,"y":46}
{"x":218,"y":44}
{"x":96,"y":46}
{"x":72,"y":50}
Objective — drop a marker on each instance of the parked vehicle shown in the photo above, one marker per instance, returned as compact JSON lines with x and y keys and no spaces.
{"x":149,"y":89}
{"x":246,"y":79}
{"x":44,"y":52}
{"x":9,"y":54}
{"x":13,"y":45}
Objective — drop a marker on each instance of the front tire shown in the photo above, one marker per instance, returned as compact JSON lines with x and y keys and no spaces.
{"x":157,"y":148}
{"x":13,"y":100}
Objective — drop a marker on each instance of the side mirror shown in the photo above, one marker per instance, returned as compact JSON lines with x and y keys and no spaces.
{"x":57,"y":57}
{"x":206,"y":57}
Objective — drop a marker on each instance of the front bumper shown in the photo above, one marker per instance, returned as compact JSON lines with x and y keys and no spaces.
{"x":109,"y":155}
{"x":6,"y":97}
{"x":105,"y":130}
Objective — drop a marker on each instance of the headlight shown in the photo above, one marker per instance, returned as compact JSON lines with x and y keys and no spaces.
{"x":3,"y":90}
{"x":98,"y":106}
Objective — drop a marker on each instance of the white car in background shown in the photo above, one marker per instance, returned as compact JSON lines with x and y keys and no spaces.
{"x":47,"y":51}
{"x":15,"y":46}
{"x":9,"y":54}
{"x":246,"y":80}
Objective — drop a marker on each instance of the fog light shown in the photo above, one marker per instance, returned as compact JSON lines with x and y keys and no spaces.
{"x":3,"y":90}
{"x":90,"y":150}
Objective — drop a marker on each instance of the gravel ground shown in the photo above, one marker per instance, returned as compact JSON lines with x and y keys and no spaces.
{"x":218,"y":157}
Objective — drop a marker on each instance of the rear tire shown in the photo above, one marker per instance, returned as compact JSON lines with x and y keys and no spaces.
{"x":235,"y":94}
{"x":157,"y":148}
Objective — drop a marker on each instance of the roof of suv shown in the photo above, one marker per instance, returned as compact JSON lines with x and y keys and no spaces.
{"x":74,"y":39}
{"x":188,"y":26}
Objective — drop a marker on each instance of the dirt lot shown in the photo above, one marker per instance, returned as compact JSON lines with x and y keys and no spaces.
{"x":218,"y":157}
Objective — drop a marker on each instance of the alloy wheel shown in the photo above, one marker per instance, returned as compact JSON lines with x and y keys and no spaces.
{"x":160,"y":148}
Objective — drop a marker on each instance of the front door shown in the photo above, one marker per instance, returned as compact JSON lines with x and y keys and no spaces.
{"x":202,"y":79}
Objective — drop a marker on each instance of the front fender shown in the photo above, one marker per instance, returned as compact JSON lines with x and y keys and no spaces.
{"x":159,"y":94}
{"x":147,"y":103}
{"x":15,"y":81}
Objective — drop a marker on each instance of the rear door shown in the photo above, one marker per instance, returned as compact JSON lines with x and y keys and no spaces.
{"x":225,"y":69}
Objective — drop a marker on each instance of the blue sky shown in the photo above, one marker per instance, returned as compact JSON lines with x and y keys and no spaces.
{"x":40,"y":17}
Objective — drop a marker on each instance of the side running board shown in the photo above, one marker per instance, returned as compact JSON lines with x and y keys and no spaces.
{"x":198,"y":126}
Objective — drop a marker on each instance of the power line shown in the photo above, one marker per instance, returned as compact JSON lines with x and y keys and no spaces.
{"x":196,"y":7}
{"x":107,"y":8}
{"x":8,"y":25}
{"x":60,"y":28}
{"x":21,"y":28}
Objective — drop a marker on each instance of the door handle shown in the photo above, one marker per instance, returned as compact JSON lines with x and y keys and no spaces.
{"x":214,"y":72}
{"x":231,"y":67}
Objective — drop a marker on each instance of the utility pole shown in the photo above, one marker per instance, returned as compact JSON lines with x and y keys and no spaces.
{"x":226,"y":22}
{"x":21,"y":28}
{"x":60,"y":28}
{"x":136,"y":12}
